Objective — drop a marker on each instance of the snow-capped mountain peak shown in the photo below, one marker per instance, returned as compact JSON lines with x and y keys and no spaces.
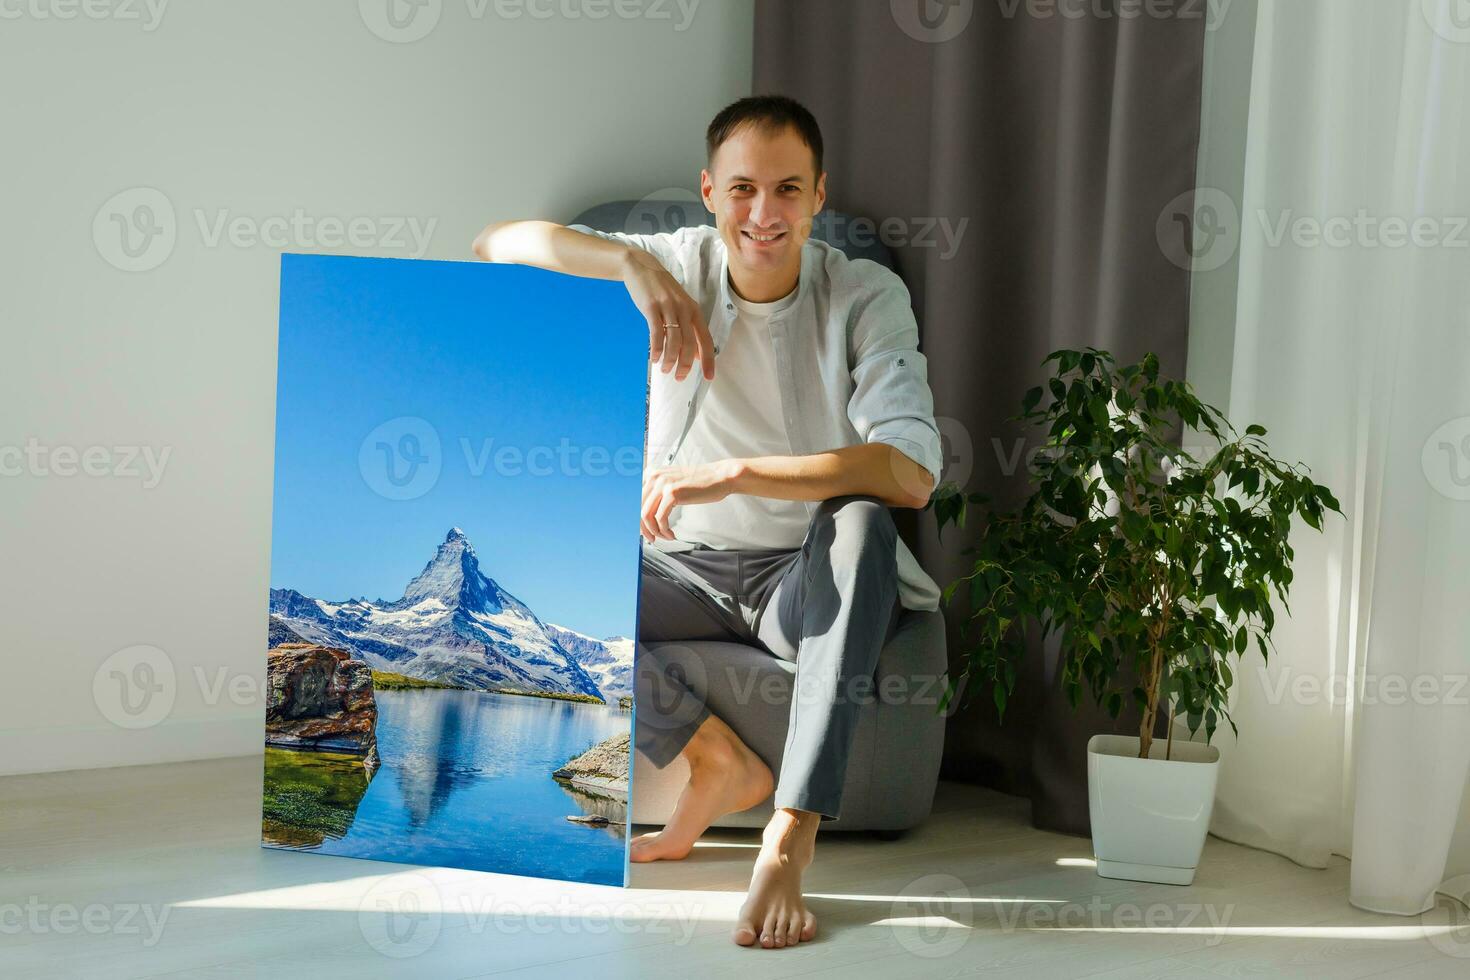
{"x":453,"y":577}
{"x":453,"y":623}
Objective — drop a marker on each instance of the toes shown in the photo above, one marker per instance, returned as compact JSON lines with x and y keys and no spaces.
{"x":808,"y":927}
{"x":768,"y":932}
{"x":793,"y":930}
{"x":745,"y":934}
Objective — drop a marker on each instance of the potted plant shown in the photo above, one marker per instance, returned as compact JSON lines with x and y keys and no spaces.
{"x":1152,"y":568}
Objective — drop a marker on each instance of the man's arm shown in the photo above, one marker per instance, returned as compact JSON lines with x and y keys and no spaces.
{"x":874,"y":469}
{"x":891,"y":403}
{"x":676,"y":328}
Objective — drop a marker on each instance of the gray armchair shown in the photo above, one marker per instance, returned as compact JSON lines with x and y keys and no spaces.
{"x":893,"y":768}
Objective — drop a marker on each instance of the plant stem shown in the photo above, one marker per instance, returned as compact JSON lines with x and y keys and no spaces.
{"x":1169,"y":745}
{"x":1151,"y":709}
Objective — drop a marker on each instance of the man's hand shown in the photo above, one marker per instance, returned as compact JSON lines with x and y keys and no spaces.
{"x":669,"y":486}
{"x":676,"y":330}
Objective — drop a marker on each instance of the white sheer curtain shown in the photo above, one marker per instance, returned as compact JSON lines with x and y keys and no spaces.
{"x":1352,"y":345}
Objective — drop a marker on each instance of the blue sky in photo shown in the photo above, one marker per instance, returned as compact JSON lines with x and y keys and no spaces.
{"x":489,"y":356}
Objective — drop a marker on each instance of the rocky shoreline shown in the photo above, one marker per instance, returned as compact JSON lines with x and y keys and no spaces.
{"x":319,"y":699}
{"x":600,"y":771}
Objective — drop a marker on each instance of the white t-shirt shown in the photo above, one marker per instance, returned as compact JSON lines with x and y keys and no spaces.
{"x":848,"y":367}
{"x":741,"y":416}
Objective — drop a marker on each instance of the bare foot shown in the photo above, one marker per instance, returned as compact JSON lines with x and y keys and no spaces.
{"x":774,"y":914}
{"x":725,"y":776}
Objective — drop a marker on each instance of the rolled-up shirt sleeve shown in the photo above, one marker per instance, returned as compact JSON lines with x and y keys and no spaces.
{"x":891,"y":401}
{"x":670,"y":248}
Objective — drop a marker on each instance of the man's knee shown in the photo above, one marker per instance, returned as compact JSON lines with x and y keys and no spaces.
{"x":861,"y":524}
{"x":865,"y":517}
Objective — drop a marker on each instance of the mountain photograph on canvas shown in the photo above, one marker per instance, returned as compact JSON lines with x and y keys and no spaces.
{"x":454,"y":566}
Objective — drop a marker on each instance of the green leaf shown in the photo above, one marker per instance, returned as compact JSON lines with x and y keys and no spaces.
{"x":1328,"y":500}
{"x":951,"y":689}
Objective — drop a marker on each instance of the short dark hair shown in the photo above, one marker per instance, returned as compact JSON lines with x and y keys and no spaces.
{"x":771,"y":113}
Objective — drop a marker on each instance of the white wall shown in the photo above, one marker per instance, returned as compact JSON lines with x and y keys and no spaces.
{"x":1225,"y":108}
{"x":252,"y":110}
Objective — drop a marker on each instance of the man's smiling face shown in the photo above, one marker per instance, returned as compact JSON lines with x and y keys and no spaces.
{"x":763,"y":191}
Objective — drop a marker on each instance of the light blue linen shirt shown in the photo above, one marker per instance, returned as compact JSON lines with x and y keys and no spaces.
{"x":847,"y":358}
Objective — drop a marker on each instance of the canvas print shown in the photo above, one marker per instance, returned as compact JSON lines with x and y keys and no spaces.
{"x":454,"y":566}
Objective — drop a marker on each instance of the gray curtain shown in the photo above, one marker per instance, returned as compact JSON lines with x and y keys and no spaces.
{"x":1056,"y":150}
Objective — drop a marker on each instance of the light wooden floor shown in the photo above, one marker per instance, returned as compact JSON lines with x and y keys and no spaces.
{"x":156,"y":871}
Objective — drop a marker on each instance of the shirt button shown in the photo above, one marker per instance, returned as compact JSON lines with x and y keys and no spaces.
{"x":901,"y":362}
{"x":729,"y":306}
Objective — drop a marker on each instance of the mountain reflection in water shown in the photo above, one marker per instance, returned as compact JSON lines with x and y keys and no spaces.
{"x":465,"y":781}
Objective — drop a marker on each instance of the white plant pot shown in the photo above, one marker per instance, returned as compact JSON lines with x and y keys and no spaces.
{"x":1150,"y":816}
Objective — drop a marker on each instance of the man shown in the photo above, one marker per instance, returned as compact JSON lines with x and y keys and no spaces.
{"x":765,"y":501}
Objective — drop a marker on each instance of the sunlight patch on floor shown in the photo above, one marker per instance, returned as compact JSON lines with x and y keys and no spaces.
{"x":936,"y":899}
{"x":1369,"y":933}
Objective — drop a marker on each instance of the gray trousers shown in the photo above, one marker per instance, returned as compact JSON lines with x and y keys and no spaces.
{"x":829,"y":606}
